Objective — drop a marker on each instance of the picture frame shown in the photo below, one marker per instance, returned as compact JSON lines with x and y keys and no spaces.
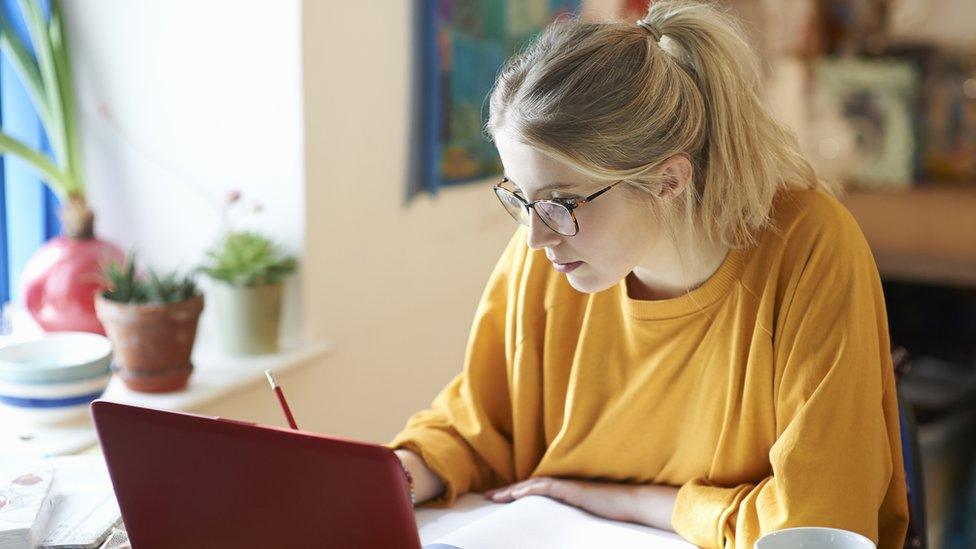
{"x":461,"y":45}
{"x":863,"y":121}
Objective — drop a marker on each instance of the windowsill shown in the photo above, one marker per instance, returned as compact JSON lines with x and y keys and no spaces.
{"x":215,"y":376}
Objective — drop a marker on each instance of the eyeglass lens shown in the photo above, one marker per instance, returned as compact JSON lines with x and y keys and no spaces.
{"x":554,"y":215}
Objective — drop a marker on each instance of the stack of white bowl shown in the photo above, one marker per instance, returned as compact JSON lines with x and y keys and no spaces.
{"x":53,"y":378}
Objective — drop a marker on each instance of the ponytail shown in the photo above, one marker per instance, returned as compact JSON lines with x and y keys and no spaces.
{"x":748,"y":155}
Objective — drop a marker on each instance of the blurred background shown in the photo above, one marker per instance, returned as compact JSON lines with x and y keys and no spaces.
{"x":347,"y":135}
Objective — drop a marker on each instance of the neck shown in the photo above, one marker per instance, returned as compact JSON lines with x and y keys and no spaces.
{"x":667,"y":272}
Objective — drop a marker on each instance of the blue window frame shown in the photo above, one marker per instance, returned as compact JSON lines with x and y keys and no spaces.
{"x":28,"y":208}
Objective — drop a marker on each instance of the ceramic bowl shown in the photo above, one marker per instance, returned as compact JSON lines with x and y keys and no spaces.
{"x":41,"y":403}
{"x":53,"y":378}
{"x":56,"y":357}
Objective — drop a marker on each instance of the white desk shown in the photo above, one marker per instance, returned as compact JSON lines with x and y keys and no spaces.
{"x":87,"y":473}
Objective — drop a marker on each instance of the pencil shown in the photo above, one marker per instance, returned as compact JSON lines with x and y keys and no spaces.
{"x":281,"y":398}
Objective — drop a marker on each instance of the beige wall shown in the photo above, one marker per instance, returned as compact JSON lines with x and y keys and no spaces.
{"x":394,"y":287}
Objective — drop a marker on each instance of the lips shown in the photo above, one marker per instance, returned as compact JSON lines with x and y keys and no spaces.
{"x":566,"y":267}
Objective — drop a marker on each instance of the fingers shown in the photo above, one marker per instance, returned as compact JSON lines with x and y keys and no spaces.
{"x":538,"y":486}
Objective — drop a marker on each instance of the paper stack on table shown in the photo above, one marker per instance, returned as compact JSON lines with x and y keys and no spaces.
{"x":82,"y":521}
{"x":26,"y":502}
{"x":83,"y":506}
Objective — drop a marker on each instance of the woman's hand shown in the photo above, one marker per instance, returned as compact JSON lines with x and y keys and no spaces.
{"x":555,"y":488}
{"x":647,"y":504}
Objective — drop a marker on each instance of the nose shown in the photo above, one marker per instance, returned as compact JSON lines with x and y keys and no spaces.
{"x":540,"y":236}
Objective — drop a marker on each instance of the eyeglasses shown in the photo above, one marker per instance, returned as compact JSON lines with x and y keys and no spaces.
{"x":559,"y":214}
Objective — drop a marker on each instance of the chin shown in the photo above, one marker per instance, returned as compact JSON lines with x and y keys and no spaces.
{"x":589,"y":284}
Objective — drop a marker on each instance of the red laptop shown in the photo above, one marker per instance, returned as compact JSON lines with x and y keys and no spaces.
{"x":186,"y":480}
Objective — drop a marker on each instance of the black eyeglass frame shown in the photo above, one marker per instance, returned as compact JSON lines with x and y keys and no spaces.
{"x":570,"y":204}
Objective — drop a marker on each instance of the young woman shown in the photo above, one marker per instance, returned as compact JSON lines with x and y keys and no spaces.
{"x":690,"y":330}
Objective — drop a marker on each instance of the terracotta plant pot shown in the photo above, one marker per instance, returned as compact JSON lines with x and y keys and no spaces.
{"x":152,"y":343}
{"x":249,"y":317}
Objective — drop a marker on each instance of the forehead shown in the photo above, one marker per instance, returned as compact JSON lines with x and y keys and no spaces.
{"x":531,"y":170}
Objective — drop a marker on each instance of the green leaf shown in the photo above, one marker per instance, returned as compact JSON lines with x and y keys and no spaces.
{"x":123,"y":285}
{"x":170,"y":287}
{"x":37,"y":28}
{"x":62,"y":66}
{"x":50,"y":172}
{"x":26,"y":69}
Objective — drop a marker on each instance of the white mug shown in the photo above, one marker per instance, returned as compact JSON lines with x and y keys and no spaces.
{"x":814,"y":537}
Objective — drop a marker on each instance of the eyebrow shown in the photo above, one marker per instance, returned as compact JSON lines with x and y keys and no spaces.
{"x":558,"y":186}
{"x":554,"y":186}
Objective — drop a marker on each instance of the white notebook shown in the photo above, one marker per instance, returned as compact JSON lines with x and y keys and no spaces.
{"x":26,"y":502}
{"x":535,"y":522}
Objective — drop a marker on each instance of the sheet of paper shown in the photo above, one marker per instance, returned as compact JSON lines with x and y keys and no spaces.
{"x":435,"y":523}
{"x":539,"y":522}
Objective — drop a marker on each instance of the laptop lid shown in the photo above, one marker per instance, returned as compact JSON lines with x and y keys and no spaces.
{"x":187,"y":480}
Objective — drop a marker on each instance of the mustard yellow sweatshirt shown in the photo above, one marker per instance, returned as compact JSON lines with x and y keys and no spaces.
{"x":766,"y":394}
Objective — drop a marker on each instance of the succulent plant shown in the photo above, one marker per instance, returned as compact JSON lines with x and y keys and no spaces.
{"x":247,"y":258}
{"x":126,"y":286}
{"x":170,"y":287}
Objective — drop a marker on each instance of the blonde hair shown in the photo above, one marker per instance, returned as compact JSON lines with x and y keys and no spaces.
{"x":612,"y":101}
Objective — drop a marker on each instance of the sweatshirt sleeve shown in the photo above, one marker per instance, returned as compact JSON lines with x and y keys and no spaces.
{"x":465,"y":437}
{"x":837,"y":458}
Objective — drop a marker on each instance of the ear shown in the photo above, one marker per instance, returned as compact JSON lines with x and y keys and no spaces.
{"x":676,"y":174}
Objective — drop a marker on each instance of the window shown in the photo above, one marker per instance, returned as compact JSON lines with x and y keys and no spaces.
{"x":28,"y":209}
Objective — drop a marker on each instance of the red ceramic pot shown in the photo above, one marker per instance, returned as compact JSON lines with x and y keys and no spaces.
{"x":60,"y":281}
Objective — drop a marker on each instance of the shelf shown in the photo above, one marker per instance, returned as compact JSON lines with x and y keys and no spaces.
{"x":215,"y":376}
{"x":921,"y":234}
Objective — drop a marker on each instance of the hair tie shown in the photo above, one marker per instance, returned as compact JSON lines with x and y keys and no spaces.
{"x":651,"y":29}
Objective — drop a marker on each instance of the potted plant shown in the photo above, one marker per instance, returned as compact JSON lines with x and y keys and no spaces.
{"x":152,"y":323}
{"x":248,"y":269}
{"x":59,"y":281}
